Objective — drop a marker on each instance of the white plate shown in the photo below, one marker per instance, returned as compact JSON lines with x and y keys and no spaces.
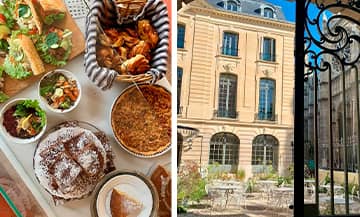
{"x":133,"y":186}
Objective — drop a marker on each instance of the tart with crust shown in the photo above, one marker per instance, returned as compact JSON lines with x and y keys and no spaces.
{"x":141,"y":122}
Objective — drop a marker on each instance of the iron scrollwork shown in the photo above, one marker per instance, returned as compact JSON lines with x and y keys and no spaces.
{"x":332,"y":44}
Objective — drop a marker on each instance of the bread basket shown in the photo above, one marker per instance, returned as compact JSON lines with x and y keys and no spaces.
{"x":101,"y":14}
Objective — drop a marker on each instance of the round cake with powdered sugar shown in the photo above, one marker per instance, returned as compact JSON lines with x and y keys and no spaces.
{"x":69,"y":162}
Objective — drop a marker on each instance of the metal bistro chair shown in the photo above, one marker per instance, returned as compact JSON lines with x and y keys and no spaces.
{"x":213,"y":197}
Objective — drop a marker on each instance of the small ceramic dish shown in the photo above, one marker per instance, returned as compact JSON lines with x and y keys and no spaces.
{"x":24,"y":129}
{"x":133,"y":184}
{"x":59,"y":91}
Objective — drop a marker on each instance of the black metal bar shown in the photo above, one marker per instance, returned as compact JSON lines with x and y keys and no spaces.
{"x":299,"y":111}
{"x":315,"y":142}
{"x":331,"y":143}
{"x":358,"y":119}
{"x":345,"y":141}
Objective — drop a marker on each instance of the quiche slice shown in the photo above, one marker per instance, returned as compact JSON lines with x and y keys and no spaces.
{"x":122,"y":205}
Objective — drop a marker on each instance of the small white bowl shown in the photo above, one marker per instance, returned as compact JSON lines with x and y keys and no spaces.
{"x":11,"y":138}
{"x":68,"y":75}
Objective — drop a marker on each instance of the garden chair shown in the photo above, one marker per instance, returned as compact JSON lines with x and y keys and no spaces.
{"x":214,"y":197}
{"x":355,"y":193}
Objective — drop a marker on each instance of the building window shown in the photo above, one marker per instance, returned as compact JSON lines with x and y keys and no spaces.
{"x":268,"y":50}
{"x":264,"y":151}
{"x":266,"y":100}
{"x":181,"y":36}
{"x":229,"y":5}
{"x":268,"y":12}
{"x":230,"y":44}
{"x":224,"y":149}
{"x":227,"y":96}
{"x":179,"y":83}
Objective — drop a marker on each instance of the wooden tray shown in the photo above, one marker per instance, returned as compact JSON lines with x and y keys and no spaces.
{"x":13,"y":86}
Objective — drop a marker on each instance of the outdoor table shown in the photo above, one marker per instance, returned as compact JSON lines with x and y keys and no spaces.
{"x":284,"y":196}
{"x":94,"y":107}
{"x":267,"y":186}
{"x":337,"y":188}
{"x":309,"y":181}
{"x":269,"y":182}
{"x":227,"y":191}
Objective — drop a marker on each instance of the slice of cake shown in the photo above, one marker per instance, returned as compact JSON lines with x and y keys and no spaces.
{"x":122,"y":205}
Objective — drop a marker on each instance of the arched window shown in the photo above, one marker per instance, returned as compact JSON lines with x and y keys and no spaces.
{"x":268,"y":12}
{"x":224,"y":150}
{"x":179,"y":83}
{"x":267,"y":100}
{"x":264,"y":151}
{"x":227,"y":96}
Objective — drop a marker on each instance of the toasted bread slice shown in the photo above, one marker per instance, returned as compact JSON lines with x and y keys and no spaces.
{"x":37,"y":66}
{"x":52,"y":7}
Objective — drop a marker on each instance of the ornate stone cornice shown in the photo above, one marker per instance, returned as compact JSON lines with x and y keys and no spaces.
{"x":202,"y":7}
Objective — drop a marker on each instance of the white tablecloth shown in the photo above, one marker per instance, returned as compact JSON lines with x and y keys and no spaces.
{"x":94,"y":108}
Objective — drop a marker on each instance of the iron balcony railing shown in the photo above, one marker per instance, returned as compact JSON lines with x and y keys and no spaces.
{"x":258,"y":117}
{"x":226,"y":114}
{"x":268,"y":57}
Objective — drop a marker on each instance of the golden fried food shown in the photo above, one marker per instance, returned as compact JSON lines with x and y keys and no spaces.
{"x":128,"y":50}
{"x":136,"y":65}
{"x":143,"y":48}
{"x":147,"y":32}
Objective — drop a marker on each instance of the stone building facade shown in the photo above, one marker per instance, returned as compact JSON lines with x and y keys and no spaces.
{"x":236,"y":83}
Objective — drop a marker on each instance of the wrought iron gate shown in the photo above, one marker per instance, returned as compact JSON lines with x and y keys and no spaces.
{"x":327,"y":56}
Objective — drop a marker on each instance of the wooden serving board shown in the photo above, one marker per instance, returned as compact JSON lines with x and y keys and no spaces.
{"x":13,"y":86}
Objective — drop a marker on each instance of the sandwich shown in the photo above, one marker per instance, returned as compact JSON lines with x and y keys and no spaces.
{"x":55,"y":46}
{"x":51,"y":11}
{"x":23,"y":59}
{"x":27,"y":16}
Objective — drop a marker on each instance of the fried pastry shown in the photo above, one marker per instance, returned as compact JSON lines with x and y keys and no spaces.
{"x":147,"y":33}
{"x":136,"y":65}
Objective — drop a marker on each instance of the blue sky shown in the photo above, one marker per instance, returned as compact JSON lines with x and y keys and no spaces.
{"x":289,"y":11}
{"x":288,"y":8}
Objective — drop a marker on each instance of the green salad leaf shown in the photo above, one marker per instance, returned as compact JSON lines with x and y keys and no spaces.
{"x":15,"y":70}
{"x":42,"y":45}
{"x":22,"y":110}
{"x":51,"y":38}
{"x":44,"y":91}
{"x":8,"y":9}
{"x":53,"y":17}
{"x":4,"y":45}
{"x":3,"y":97}
{"x":23,"y":10}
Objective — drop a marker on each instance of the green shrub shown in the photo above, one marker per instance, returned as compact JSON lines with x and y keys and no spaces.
{"x":250,"y":185}
{"x":240,"y":175}
{"x":284,"y":180}
{"x":191,"y":186}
